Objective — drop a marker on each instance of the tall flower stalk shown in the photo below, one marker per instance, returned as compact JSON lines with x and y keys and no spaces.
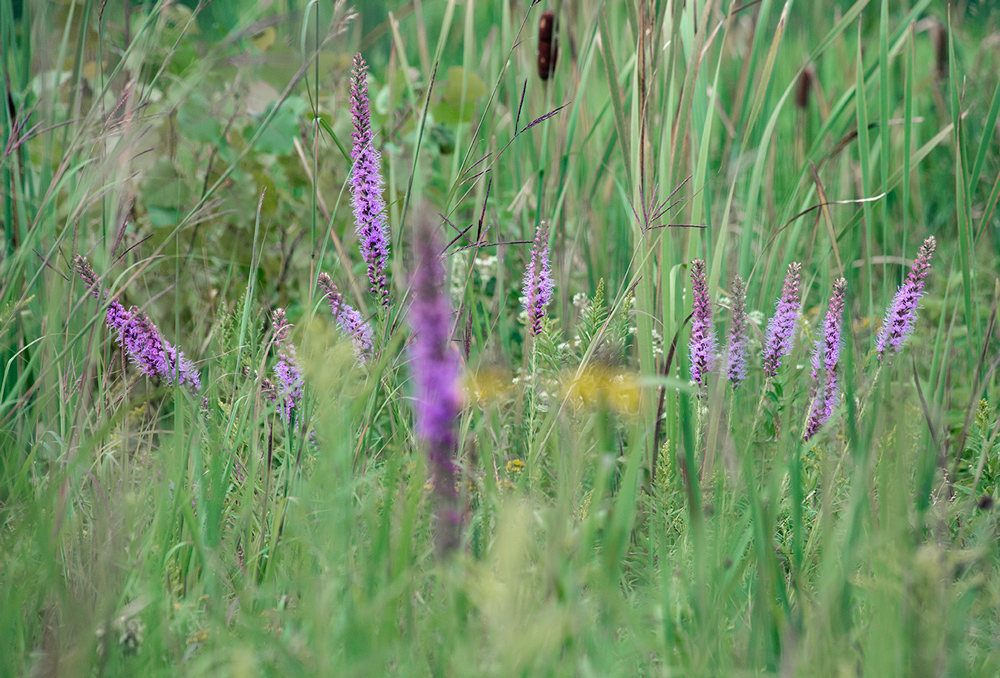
{"x":538,"y":286}
{"x":826,"y":362}
{"x":736,"y":350}
{"x":348,"y":319}
{"x":288,"y":379}
{"x":702,"y":343}
{"x":140,"y":338}
{"x":366,"y":186}
{"x":902,"y":313}
{"x":780,"y":335}
{"x":435,"y":367}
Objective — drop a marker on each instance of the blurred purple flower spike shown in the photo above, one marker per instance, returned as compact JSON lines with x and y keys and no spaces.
{"x":435,"y":367}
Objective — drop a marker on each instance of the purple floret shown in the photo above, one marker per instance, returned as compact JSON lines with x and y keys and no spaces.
{"x":538,"y":285}
{"x":181,"y":367}
{"x":736,"y":352}
{"x":366,"y":183}
{"x":702,"y":343}
{"x":901,"y":315}
{"x":287,"y":373}
{"x":348,"y":319}
{"x":781,"y":328}
{"x":825,"y":363}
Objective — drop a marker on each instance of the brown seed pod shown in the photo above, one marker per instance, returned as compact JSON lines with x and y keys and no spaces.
{"x":939,"y":36}
{"x":805,"y":87}
{"x":548,"y":44}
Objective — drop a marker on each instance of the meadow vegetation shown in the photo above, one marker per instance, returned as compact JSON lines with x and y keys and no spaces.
{"x":336,"y":340}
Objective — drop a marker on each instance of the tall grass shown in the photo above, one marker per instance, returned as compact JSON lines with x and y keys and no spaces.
{"x":616,"y":518}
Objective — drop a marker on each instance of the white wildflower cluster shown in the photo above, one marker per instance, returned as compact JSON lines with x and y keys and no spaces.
{"x":581,"y":301}
{"x":459,"y":269}
{"x":568,"y":346}
{"x":657,"y":344}
{"x":543,"y":396}
{"x":486,"y":266}
{"x":757,"y":319}
{"x":544,"y":400}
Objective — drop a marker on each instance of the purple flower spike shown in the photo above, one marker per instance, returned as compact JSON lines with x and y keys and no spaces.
{"x":288,"y":376}
{"x":348,"y":319}
{"x":702,"y":342}
{"x":901,"y":315}
{"x":369,"y":207}
{"x":143,"y":341}
{"x":736,"y":352}
{"x":538,"y":285}
{"x":781,"y":329}
{"x":181,"y":367}
{"x":435,"y":367}
{"x":825,"y":361}
{"x":141,"y":338}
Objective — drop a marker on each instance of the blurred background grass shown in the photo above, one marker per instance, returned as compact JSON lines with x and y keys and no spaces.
{"x":197,"y":154}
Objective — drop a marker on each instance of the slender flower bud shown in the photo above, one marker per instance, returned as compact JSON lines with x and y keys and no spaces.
{"x":435,"y":367}
{"x":702,"y":343}
{"x":538,"y":286}
{"x":366,"y":182}
{"x":901,"y":315}
{"x":825,"y":363}
{"x":781,"y":329}
{"x":141,"y":338}
{"x":348,"y":319}
{"x":288,"y":379}
{"x":736,"y":352}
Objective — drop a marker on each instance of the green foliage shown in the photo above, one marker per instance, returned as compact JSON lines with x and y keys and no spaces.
{"x":617,"y":522}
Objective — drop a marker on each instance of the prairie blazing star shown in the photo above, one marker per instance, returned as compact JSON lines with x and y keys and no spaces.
{"x":736,"y":351}
{"x":702,"y":342}
{"x":348,"y":319}
{"x":781,"y":329}
{"x":288,"y":379}
{"x":140,"y":337}
{"x":538,"y":285}
{"x":435,"y":369}
{"x":901,"y":315}
{"x":825,"y":363}
{"x":366,"y":187}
